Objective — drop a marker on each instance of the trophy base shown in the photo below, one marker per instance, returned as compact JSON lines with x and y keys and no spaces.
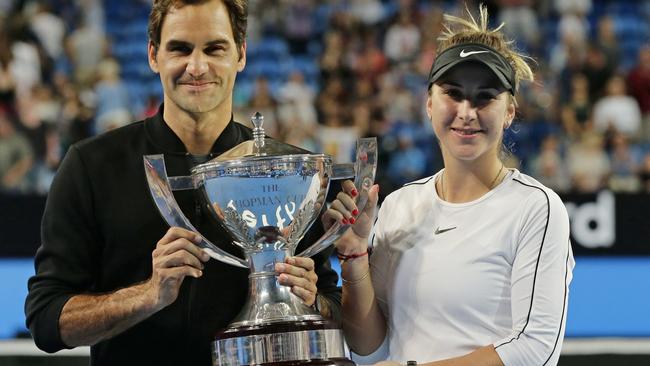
{"x":311,"y":342}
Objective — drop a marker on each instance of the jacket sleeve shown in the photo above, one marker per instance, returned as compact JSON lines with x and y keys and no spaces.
{"x":541,"y":273}
{"x":65,"y":262}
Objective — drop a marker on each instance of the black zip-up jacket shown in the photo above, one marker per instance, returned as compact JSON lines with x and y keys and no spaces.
{"x":99,"y":228}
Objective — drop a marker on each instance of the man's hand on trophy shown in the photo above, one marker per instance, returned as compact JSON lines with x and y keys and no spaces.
{"x":298,"y":273}
{"x":344,"y":210}
{"x":175,"y":257}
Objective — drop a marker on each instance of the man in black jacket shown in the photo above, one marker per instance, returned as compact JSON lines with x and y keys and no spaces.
{"x":109,"y":273}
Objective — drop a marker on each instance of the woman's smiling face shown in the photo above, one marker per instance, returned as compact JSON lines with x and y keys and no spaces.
{"x":469,"y":109}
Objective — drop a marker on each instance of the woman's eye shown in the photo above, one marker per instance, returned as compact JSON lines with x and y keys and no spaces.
{"x":485,"y":96}
{"x":454,"y":94}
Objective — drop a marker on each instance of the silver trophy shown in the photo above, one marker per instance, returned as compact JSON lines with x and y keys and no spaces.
{"x":267,"y":194}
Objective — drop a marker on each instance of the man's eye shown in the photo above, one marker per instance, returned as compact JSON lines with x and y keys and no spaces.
{"x":214,"y":49}
{"x":180,"y":49}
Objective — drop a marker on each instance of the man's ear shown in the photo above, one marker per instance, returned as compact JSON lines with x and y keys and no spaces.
{"x":242,"y":59}
{"x":151,"y":53}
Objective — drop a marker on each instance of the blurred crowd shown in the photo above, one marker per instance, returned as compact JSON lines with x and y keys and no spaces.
{"x":324,"y":73}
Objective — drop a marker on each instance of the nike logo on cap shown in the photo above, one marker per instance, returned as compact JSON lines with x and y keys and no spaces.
{"x":440,"y":231}
{"x":465,"y":54}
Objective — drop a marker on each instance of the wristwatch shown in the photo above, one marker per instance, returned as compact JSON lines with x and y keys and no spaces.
{"x":411,"y":363}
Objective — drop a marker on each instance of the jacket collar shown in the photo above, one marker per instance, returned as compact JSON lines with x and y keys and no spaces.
{"x":164,"y":138}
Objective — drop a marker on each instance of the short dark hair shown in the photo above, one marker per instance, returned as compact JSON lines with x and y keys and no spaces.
{"x":237,"y":10}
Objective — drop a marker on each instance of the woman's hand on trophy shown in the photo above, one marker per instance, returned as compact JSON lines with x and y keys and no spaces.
{"x":176,"y":256}
{"x":345,"y":210}
{"x":298,"y":273}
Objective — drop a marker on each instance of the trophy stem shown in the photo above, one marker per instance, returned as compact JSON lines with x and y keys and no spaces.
{"x":268,"y":301}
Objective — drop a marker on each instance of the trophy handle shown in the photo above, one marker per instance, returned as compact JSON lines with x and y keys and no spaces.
{"x":161,"y":192}
{"x":363,"y":172}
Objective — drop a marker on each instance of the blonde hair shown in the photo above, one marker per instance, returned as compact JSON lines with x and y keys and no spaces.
{"x":459,"y":30}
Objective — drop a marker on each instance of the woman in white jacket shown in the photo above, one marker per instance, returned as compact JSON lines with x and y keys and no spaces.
{"x":470,"y":266}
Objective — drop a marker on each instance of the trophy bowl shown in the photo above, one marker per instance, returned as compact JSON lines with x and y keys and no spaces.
{"x":267,"y":194}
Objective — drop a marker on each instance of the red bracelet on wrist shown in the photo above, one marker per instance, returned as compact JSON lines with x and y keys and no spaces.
{"x":345,"y":257}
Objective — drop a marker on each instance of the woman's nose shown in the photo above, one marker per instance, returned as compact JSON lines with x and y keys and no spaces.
{"x":466,"y":111}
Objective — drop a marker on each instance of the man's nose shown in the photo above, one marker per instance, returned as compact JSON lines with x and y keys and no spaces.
{"x":466,"y":111}
{"x":197,"y":64}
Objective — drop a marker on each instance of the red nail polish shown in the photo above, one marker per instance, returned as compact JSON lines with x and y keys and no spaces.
{"x":354,"y":193}
{"x":355,"y":212}
{"x":344,"y":221}
{"x":352,"y":220}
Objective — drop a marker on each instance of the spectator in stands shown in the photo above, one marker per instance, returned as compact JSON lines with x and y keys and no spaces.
{"x":298,"y":25}
{"x":332,"y":60}
{"x":92,"y":12}
{"x":598,"y":71}
{"x":573,"y":24}
{"x":45,"y":104}
{"x":576,"y":112}
{"x":113,"y":102}
{"x":364,"y":92}
{"x":548,"y":166}
{"x":397,"y":100}
{"x":580,"y":7}
{"x":76,"y":118}
{"x":49,"y":28}
{"x":568,"y":53}
{"x":617,"y":111}
{"x":7,"y":84}
{"x":296,"y":103}
{"x":588,"y":163}
{"x":407,"y":162}
{"x":263,"y":101}
{"x":337,"y":139}
{"x":332,"y":100}
{"x":36,"y":119}
{"x":607,"y":41}
{"x":110,"y":273}
{"x":457,"y":254}
{"x":638,"y":81}
{"x":568,"y":69}
{"x":625,"y":165}
{"x":86,"y":47}
{"x":370,"y":62}
{"x":43,"y":172}
{"x":402,"y":38}
{"x":369,"y":12}
{"x":25,"y":67}
{"x":16,"y":157}
{"x":520,"y":21}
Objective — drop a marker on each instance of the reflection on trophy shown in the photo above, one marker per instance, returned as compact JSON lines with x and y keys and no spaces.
{"x":267,"y":194}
